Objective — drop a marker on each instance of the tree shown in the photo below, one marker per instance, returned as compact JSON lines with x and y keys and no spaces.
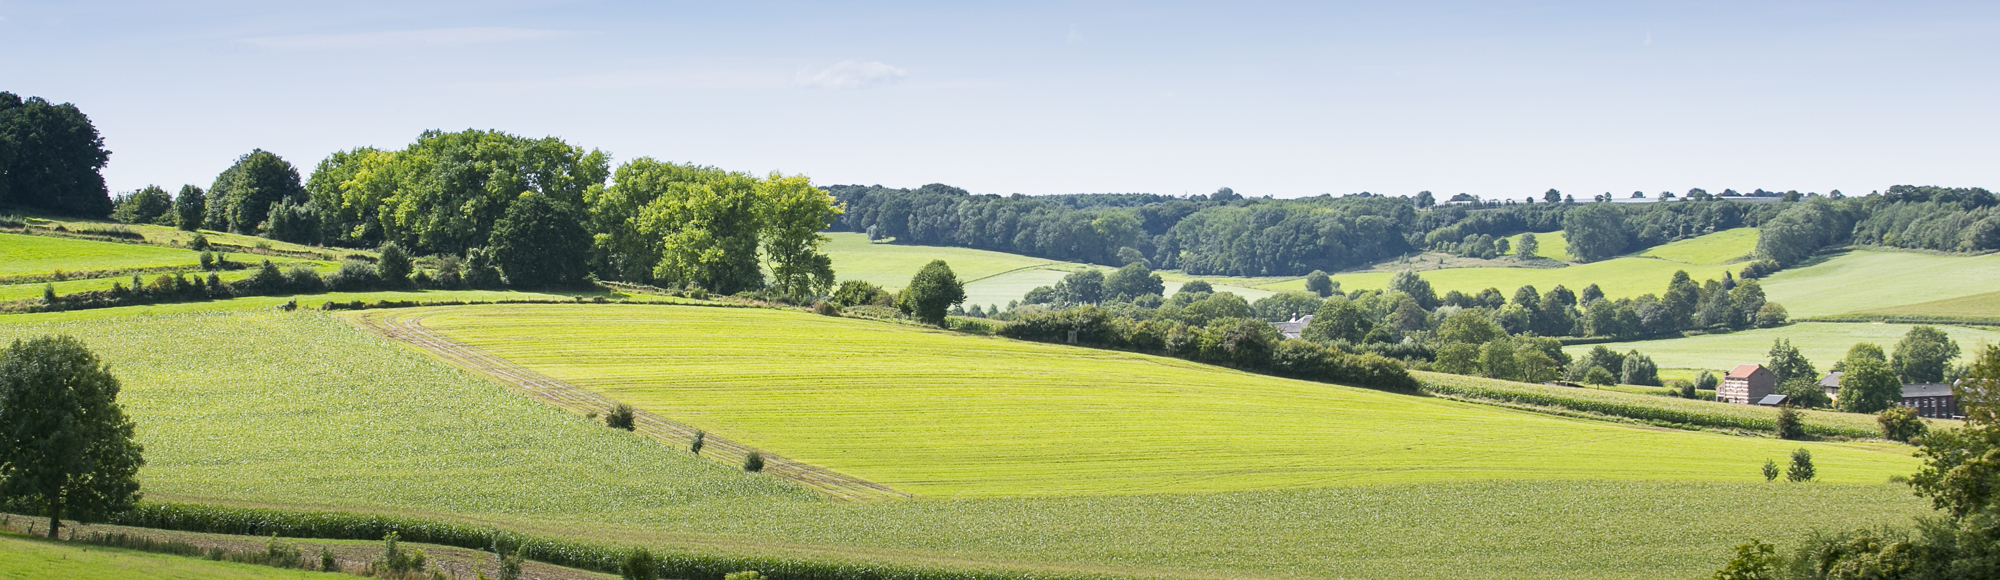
{"x":1529,"y":248}
{"x":1131,"y":281}
{"x":1086,"y":287}
{"x":933,"y":291}
{"x":1467,"y":326}
{"x":1319,"y":283}
{"x":1786,"y":362}
{"x":1639,"y":369}
{"x":1802,"y":466}
{"x":242,"y":196}
{"x":66,"y":445}
{"x":1923,"y":354}
{"x":50,"y":158}
{"x":393,"y":266}
{"x":1552,"y":196}
{"x":1425,"y":199}
{"x":541,"y":242}
{"x":1901,"y":424}
{"x":1338,"y":319}
{"x":1681,"y":299}
{"x":702,"y":223}
{"x":1788,"y":424}
{"x":1599,"y":376}
{"x":1595,"y":232}
{"x":1804,"y":392}
{"x":794,"y":212}
{"x":188,"y":207}
{"x":146,"y":206}
{"x":1868,"y":386}
{"x":1409,"y":283}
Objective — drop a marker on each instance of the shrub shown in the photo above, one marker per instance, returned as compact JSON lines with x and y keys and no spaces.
{"x":1599,"y":376}
{"x":695,"y":446}
{"x":1789,"y":426}
{"x":620,"y":417}
{"x":826,"y":308}
{"x":1802,"y":466}
{"x":354,"y":275}
{"x":207,"y":260}
{"x":394,"y":266}
{"x":639,"y":564}
{"x":510,"y":565}
{"x":1770,"y":470}
{"x":1754,"y":561}
{"x":1706,"y":381}
{"x":200,"y":242}
{"x":754,"y":462}
{"x":327,"y":563}
{"x":1901,"y":424}
{"x":395,"y":560}
{"x":303,"y":279}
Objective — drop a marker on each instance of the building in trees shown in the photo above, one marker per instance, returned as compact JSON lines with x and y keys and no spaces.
{"x":1746,"y":384}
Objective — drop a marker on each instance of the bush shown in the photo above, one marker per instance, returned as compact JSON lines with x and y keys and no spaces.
{"x":1754,"y":561}
{"x":327,"y":563}
{"x":754,"y":462}
{"x":1802,"y":466}
{"x":639,"y":564}
{"x":1770,"y":470}
{"x":395,"y":560}
{"x":826,"y":308}
{"x":304,"y":280}
{"x":620,"y":417}
{"x":353,"y":276}
{"x":699,"y":439}
{"x":1599,"y":376}
{"x":1901,"y":424}
{"x":1789,"y":426}
{"x":394,"y":266}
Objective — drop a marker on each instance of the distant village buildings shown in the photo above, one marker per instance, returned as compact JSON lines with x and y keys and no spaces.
{"x":1747,"y":384}
{"x":1932,"y":400}
{"x":1294,"y":327}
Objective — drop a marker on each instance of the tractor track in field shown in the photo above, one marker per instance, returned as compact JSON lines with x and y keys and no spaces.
{"x":410,"y":329}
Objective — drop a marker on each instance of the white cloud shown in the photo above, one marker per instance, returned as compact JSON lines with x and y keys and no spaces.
{"x":852,"y":74}
{"x":400,"y":38}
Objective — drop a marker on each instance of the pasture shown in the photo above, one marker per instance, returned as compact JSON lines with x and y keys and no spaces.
{"x":1867,"y":280}
{"x":1622,"y":277}
{"x":31,"y":254}
{"x":991,"y":278}
{"x":1723,"y":247}
{"x":919,"y":410}
{"x":1977,"y":307}
{"x":1823,"y":343}
{"x":24,"y":558}
{"x":1552,"y":245}
{"x":301,"y":410}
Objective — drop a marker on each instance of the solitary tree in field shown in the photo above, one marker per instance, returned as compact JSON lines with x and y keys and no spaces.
{"x":1529,"y":247}
{"x":65,"y":445}
{"x":932,"y":293}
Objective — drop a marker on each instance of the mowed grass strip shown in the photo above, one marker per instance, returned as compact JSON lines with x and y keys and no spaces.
{"x":1823,"y":343}
{"x":31,"y":254}
{"x":23,"y":558}
{"x":945,"y":415}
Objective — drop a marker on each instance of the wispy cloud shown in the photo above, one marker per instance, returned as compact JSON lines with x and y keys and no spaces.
{"x":400,"y":38}
{"x":851,"y":74}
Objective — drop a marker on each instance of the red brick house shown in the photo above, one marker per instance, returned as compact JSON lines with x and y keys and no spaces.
{"x":1746,"y":384}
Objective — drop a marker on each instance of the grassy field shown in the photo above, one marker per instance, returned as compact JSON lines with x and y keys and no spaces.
{"x":1981,"y":307}
{"x":24,"y":558}
{"x":1870,"y":280}
{"x":919,"y":410}
{"x":171,"y":236}
{"x":1552,"y":245}
{"x":25,"y":254}
{"x":302,"y":410}
{"x":1721,"y":247}
{"x":1625,"y":276}
{"x":991,"y":278}
{"x":1823,"y":343}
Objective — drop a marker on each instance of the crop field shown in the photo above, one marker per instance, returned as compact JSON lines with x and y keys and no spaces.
{"x":919,"y":410}
{"x":302,"y":410}
{"x":1861,"y":280}
{"x":1981,"y":307}
{"x":1823,"y":343}
{"x":23,"y":558}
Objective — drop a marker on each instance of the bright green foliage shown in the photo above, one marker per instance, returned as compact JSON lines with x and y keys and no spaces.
{"x":148,"y":205}
{"x":66,"y":446}
{"x":793,"y":213}
{"x":1901,"y":424}
{"x":50,"y":157}
{"x":1868,"y":385}
{"x":541,"y":243}
{"x":352,"y":189}
{"x":933,"y":291}
{"x":917,"y":410}
{"x":241,"y":199}
{"x":1923,"y":355}
{"x":1132,"y":281}
{"x":1319,"y":283}
{"x":1723,"y":247}
{"x":1285,"y":306}
{"x":1755,"y":560}
{"x":1787,"y":364}
{"x":702,"y":224}
{"x":1338,"y":319}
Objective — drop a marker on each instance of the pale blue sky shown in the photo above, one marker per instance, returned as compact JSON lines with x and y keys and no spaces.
{"x":1285,"y":99}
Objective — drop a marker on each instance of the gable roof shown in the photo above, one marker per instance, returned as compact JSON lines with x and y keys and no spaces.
{"x":1831,"y":379}
{"x":1744,"y":371}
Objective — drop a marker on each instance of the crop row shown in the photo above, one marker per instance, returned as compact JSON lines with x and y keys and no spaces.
{"x":1648,"y":408}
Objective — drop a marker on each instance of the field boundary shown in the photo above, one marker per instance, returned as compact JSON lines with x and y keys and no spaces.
{"x":409,"y":328}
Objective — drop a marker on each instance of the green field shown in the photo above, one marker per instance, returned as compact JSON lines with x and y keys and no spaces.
{"x":1823,"y":343}
{"x":24,"y":558}
{"x":1984,"y":307}
{"x":991,"y":278}
{"x":1552,"y":245}
{"x":337,"y":418}
{"x":919,"y":410}
{"x":1866,"y":280}
{"x":1721,"y":247}
{"x":25,"y":254}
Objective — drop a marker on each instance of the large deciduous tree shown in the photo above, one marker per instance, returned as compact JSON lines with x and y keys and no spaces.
{"x":50,"y":158}
{"x":1923,"y":354}
{"x":65,"y":444}
{"x":188,"y":207}
{"x":541,"y":242}
{"x":794,"y":212}
{"x":1788,"y":363}
{"x":932,"y":293}
{"x":147,"y":206}
{"x":1595,"y":232}
{"x":241,"y":199}
{"x":1868,"y":384}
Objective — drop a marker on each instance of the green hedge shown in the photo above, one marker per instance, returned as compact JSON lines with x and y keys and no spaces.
{"x":1648,"y":408}
{"x":588,"y":556}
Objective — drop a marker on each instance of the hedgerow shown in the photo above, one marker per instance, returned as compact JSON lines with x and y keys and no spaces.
{"x":1647,"y":408}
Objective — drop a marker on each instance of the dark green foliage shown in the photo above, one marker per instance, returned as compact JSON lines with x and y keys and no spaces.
{"x":1867,"y":385}
{"x":147,"y":206}
{"x":1802,"y":230}
{"x":395,"y":559}
{"x":1085,"y":287}
{"x":1787,"y":363}
{"x":1754,"y":561}
{"x":1801,"y":469}
{"x":1805,"y":393}
{"x":481,"y":271}
{"x":1132,"y":281}
{"x":241,"y":199}
{"x":1923,"y":354}
{"x":66,"y":447}
{"x":1285,"y":306}
{"x":640,"y":564}
{"x":858,"y":293}
{"x":1599,"y":376}
{"x":327,"y":563}
{"x":1790,"y":427}
{"x":303,"y":279}
{"x":393,"y":266}
{"x":291,"y":221}
{"x":621,"y":417}
{"x":1901,"y":424}
{"x":188,"y":207}
{"x":829,"y":308}
{"x":933,"y":291}
{"x":1706,"y":381}
{"x":754,"y":462}
{"x":267,"y":280}
{"x":1338,"y":320}
{"x":50,"y":158}
{"x":1639,"y":369}
{"x":700,"y":437}
{"x":541,"y":243}
{"x":1771,"y":470}
{"x":1243,"y":343}
{"x":354,"y":276}
{"x":1596,"y":232}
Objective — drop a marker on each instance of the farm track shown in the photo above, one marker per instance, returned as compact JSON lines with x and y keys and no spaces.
{"x":410,"y":329}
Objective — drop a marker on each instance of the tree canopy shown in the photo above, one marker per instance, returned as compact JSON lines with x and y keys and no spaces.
{"x":932,"y":293}
{"x":541,"y":242}
{"x":51,"y":158}
{"x":65,"y":444}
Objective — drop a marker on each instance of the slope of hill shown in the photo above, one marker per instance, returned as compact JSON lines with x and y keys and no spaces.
{"x":991,"y":278}
{"x":1823,"y":343}
{"x":1868,"y":279}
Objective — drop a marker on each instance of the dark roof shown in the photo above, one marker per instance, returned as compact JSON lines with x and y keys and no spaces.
{"x":1772,"y":400}
{"x":1927,"y":390}
{"x":1831,"y":379}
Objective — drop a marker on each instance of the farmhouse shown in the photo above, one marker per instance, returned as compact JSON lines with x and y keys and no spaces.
{"x":1294,"y":327}
{"x":1933,"y":400}
{"x":1746,"y":384}
{"x":1831,"y":384}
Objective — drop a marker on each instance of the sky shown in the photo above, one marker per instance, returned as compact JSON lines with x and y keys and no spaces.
{"x":1497,"y":99}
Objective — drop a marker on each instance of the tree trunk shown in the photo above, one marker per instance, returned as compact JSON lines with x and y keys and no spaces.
{"x":55,"y":517}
